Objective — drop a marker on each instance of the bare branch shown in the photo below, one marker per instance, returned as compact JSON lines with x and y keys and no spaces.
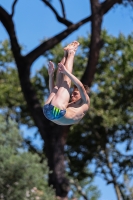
{"x":13,"y":7}
{"x":59,"y":37}
{"x":63,"y":8}
{"x":24,"y":74}
{"x":38,"y":51}
{"x":95,"y":42}
{"x":6,"y":20}
{"x":109,"y":164}
{"x":98,"y":10}
{"x":79,"y":189}
{"x":60,"y":19}
{"x":33,"y":55}
{"x":106,"y":5}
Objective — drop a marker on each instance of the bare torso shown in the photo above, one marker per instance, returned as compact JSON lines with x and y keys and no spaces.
{"x":74,"y":113}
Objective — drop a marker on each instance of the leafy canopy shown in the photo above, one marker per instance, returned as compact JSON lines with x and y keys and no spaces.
{"x":22,"y":176}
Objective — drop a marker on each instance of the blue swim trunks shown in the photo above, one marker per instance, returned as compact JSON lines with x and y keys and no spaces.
{"x":51,"y":112}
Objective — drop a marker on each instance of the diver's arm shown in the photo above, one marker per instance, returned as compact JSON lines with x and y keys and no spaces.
{"x":76,"y":82}
{"x":51,"y":82}
{"x":51,"y":75}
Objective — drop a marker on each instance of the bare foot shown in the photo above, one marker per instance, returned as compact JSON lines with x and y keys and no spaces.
{"x":72,"y":46}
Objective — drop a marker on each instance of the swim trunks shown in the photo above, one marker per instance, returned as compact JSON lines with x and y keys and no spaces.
{"x":51,"y":112}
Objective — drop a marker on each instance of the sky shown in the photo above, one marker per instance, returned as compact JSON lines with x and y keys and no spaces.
{"x":34,"y":22}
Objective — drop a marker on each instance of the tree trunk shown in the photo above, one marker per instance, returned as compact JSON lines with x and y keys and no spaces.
{"x":54,"y":147}
{"x":54,"y":136}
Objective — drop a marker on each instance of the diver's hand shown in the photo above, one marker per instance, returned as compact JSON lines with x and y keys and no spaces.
{"x":62,"y":69}
{"x":51,"y":68}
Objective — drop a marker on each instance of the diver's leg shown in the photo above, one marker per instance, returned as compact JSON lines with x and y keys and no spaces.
{"x":62,"y":97}
{"x":72,"y":46}
{"x":59,"y":76}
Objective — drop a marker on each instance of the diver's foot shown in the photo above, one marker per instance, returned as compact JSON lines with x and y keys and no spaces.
{"x":72,"y":46}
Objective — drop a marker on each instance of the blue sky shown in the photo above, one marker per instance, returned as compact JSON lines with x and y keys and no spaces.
{"x":35,"y":22}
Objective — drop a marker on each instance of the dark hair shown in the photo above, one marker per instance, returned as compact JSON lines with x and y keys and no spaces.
{"x":85,"y":87}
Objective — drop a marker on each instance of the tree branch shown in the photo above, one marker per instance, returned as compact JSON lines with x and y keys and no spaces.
{"x":109,"y":164}
{"x":60,"y":19}
{"x":98,"y":10}
{"x":6,"y":20}
{"x":106,"y":5}
{"x":24,"y":75}
{"x":13,"y":7}
{"x":33,"y":55}
{"x":95,"y":42}
{"x":79,"y":189}
{"x":63,"y":8}
{"x":59,"y":37}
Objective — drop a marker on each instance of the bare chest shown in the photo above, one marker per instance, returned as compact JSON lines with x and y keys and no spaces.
{"x":75,"y":104}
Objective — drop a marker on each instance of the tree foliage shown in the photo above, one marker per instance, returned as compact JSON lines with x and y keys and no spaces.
{"x":22,"y":176}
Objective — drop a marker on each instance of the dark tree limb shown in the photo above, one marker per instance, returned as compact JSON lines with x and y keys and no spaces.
{"x":13,"y":7}
{"x":79,"y":189}
{"x":7,"y":22}
{"x":24,"y":73}
{"x":109,"y":164}
{"x":106,"y":5}
{"x":33,"y":55}
{"x":98,"y":10}
{"x":60,"y":19}
{"x":95,"y":42}
{"x":46,"y":45}
{"x":63,"y":8}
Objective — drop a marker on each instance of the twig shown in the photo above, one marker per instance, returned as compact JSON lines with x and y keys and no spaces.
{"x":79,"y":189}
{"x":13,"y":7}
{"x":63,"y":9}
{"x":59,"y":18}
